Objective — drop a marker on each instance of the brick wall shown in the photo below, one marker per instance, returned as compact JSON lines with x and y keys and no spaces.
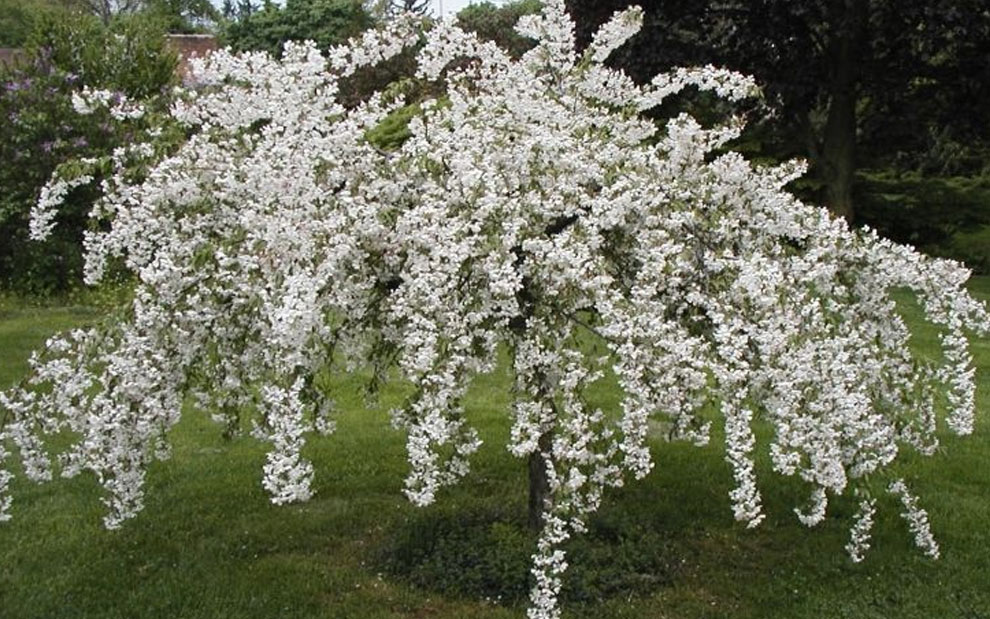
{"x":188,"y":46}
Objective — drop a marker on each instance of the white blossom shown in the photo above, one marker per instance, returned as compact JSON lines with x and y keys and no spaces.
{"x":53,"y":193}
{"x":916,"y":517}
{"x":859,"y":536}
{"x":288,"y":476}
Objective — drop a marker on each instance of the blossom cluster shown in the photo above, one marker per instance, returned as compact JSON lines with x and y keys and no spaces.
{"x":534,"y":209}
{"x":119,"y":105}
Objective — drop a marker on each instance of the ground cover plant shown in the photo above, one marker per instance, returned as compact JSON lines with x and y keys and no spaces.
{"x":534,"y":213}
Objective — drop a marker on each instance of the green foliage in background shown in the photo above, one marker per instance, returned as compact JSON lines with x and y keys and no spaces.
{"x":970,"y":246}
{"x":394,"y":128}
{"x":946,"y":216}
{"x":497,"y":23}
{"x":40,"y":131}
{"x":326,"y":22}
{"x":16,"y":20}
{"x":182,"y":16}
{"x":130,"y":56}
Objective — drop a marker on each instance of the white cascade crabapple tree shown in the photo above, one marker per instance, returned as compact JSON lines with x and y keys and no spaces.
{"x":532,"y":208}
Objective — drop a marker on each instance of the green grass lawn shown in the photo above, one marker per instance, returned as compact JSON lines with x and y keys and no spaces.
{"x":209,"y":543}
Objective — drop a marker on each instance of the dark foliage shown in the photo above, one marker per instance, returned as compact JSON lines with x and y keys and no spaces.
{"x":484,"y":553}
{"x":41,"y":131}
{"x":497,"y":23}
{"x":326,"y":22}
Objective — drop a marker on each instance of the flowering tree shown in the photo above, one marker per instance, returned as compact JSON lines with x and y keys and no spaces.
{"x":534,"y":208}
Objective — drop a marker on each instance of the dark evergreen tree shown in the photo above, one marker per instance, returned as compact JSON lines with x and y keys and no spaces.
{"x":851,"y":80}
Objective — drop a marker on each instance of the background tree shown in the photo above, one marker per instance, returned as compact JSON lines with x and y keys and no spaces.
{"x":179,"y":15}
{"x":106,"y":9}
{"x":392,"y":8}
{"x":853,"y":83}
{"x":327,"y":22}
{"x":16,"y":21}
{"x":18,"y":18}
{"x":498,"y":23}
{"x":245,"y":8}
{"x":183,"y":16}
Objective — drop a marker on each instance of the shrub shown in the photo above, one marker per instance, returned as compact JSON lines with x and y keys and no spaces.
{"x":483,"y":551}
{"x":924,"y":211}
{"x":41,"y":130}
{"x":972,"y":247}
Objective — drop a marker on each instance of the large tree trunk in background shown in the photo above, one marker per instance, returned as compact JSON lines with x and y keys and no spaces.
{"x":848,"y":22}
{"x":539,"y":484}
{"x":838,"y":153}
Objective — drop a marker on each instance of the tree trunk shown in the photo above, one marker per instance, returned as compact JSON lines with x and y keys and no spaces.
{"x":848,"y":19}
{"x":539,"y":484}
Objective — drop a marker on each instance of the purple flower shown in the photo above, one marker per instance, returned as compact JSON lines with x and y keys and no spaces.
{"x":47,"y":146}
{"x":80,"y":142}
{"x":12,"y":86}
